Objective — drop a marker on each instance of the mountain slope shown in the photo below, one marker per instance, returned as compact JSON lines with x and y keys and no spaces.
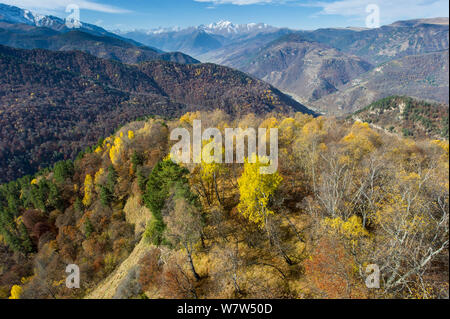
{"x":108,"y":287}
{"x":191,"y":41}
{"x":218,"y":86}
{"x":237,"y":52}
{"x":231,"y":30}
{"x":201,"y":39}
{"x":83,"y":212}
{"x":421,"y":76}
{"x":16,"y":15}
{"x":114,"y":48}
{"x":389,"y":42}
{"x":53,"y":104}
{"x":312,"y":64}
{"x":306,"y":69}
{"x":406,"y":116}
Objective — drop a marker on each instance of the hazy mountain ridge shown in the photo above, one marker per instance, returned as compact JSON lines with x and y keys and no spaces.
{"x":421,"y":76}
{"x":21,"y":29}
{"x":224,"y":28}
{"x":281,"y":60}
{"x":198,"y":40}
{"x":306,"y":69}
{"x":389,"y":42}
{"x":238,"y":52}
{"x":16,"y":15}
{"x":29,"y":37}
{"x":309,"y":65}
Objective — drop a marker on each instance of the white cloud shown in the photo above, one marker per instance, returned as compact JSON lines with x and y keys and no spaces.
{"x":242,"y":2}
{"x":55,"y":5}
{"x":355,"y":10}
{"x":389,"y":10}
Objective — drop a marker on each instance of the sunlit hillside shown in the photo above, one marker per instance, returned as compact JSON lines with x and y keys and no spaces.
{"x":141,"y":226}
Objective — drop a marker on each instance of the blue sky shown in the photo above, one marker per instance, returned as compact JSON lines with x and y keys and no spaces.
{"x":296,"y":14}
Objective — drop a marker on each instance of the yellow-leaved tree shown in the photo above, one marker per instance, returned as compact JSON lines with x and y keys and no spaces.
{"x":88,"y":189}
{"x":16,"y":291}
{"x":116,"y":149}
{"x":361,"y":141}
{"x":189,"y":118}
{"x":309,"y":145}
{"x":255,"y":191}
{"x":351,"y":230}
{"x":210,"y":172}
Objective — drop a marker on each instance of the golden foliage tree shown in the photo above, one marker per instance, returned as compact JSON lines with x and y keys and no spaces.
{"x":16,"y":291}
{"x":255,"y":191}
{"x":88,"y":190}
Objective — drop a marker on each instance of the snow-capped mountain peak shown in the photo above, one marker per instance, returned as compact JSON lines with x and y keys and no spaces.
{"x":13,"y":14}
{"x":229,"y":28}
{"x":16,"y":15}
{"x":223,"y":28}
{"x":221,"y":25}
{"x":160,"y":30}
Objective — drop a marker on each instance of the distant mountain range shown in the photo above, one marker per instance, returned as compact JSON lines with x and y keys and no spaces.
{"x":424,"y":76}
{"x":53,"y":104}
{"x":198,"y":40}
{"x":388,"y":42}
{"x":374,"y":45}
{"x":15,"y":15}
{"x":307,"y":69}
{"x":223,"y":28}
{"x":21,"y":28}
{"x":333,"y":70}
{"x":123,"y":211}
{"x":311,"y":65}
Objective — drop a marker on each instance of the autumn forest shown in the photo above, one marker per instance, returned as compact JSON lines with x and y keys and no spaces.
{"x":265,"y":164}
{"x":345,"y":196}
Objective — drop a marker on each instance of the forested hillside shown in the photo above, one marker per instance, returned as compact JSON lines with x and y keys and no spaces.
{"x":407,"y":116}
{"x":28,"y":37}
{"x":307,"y":69}
{"x":389,"y":42}
{"x":54,"y":104}
{"x":23,"y":29}
{"x":345,"y":196}
{"x":346,"y":69}
{"x":424,"y":77}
